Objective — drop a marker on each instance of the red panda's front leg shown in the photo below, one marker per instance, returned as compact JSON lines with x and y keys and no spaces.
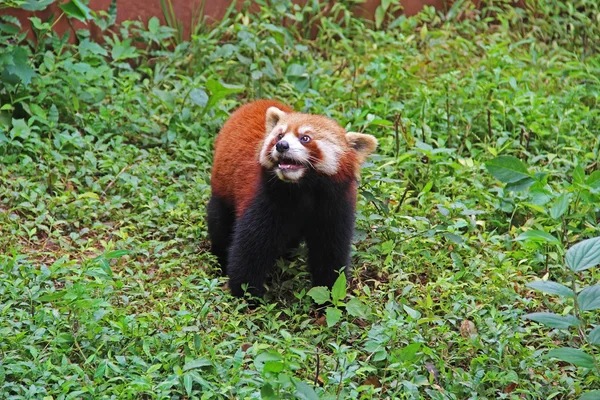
{"x":254,"y":249}
{"x":329,"y":240}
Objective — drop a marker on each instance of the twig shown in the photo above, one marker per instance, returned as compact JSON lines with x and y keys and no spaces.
{"x":317,"y":373}
{"x":125,"y":168}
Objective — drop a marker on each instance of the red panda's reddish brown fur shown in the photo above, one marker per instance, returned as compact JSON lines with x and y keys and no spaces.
{"x":236,"y":170}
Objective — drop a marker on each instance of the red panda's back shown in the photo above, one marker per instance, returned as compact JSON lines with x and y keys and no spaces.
{"x":236,"y":168}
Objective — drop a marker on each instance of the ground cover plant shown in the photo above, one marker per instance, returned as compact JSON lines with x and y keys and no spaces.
{"x":484,"y":194}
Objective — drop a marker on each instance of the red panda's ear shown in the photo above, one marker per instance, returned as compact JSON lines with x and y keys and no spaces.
{"x":361,"y":143}
{"x":274,"y":114}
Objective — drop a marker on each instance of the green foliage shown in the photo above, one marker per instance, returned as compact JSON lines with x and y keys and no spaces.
{"x":107,"y":288}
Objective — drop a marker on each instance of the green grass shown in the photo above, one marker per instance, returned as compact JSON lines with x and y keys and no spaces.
{"x":107,"y":288}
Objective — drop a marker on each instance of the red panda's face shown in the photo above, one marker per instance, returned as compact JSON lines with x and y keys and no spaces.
{"x":296,"y":143}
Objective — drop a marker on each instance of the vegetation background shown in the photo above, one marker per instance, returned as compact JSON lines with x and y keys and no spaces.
{"x":487,"y":173}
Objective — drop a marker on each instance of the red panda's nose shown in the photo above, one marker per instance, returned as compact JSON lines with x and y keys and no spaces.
{"x":282,"y":146}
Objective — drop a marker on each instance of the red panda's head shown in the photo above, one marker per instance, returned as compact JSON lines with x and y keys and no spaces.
{"x":295,"y":143}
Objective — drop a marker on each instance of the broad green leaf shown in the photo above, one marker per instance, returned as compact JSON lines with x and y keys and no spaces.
{"x":320,"y":294}
{"x":273,"y":366}
{"x":305,"y":391}
{"x":578,"y":175}
{"x":87,"y":47}
{"x":593,"y":180}
{"x":414,"y":314}
{"x":409,"y":352}
{"x":589,"y":298}
{"x":198,"y":363}
{"x":187,"y":383}
{"x":76,"y":9}
{"x":199,"y":97}
{"x":338,"y":291}
{"x":153,"y":25}
{"x":594,"y":336}
{"x":219,"y":90}
{"x":295,"y":71}
{"x":20,"y":129}
{"x":552,"y":288}
{"x":116,"y":254}
{"x":379,"y":16}
{"x":9,"y":29}
{"x":560,"y":206}
{"x":36,"y":5}
{"x":520,"y":185}
{"x":333,"y":316}
{"x":507,"y":169}
{"x":52,"y":296}
{"x":537,"y":236}
{"x":20,"y":65}
{"x":53,"y":115}
{"x":267,"y":392}
{"x":593,"y":395}
{"x":573,"y":356}
{"x":584,"y":255}
{"x":357,"y":308}
{"x":553,"y":320}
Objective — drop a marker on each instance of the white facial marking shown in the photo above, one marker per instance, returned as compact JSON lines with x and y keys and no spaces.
{"x":264,"y":158}
{"x":303,"y":129}
{"x":331,"y":153}
{"x":296,"y":151}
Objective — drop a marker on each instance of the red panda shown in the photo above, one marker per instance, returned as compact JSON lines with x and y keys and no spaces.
{"x":280,"y":177}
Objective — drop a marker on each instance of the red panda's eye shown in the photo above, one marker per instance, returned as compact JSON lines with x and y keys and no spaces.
{"x":280,"y":136}
{"x":305,"y":138}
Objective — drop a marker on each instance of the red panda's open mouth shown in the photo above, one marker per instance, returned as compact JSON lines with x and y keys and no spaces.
{"x":288,"y":164}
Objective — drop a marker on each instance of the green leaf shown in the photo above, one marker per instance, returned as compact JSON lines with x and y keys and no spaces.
{"x":9,"y":29}
{"x":305,"y":391}
{"x":51,"y":297}
{"x":379,"y":16}
{"x":116,"y":254}
{"x":560,"y":206}
{"x":594,"y":336}
{"x":20,"y":65}
{"x":295,"y":71}
{"x":320,"y":294}
{"x":507,"y":169}
{"x":584,"y":255}
{"x":520,"y":185}
{"x":187,"y":383}
{"x":36,"y":5}
{"x":87,"y":47}
{"x":76,"y":9}
{"x":153,"y":25}
{"x":267,"y":392}
{"x":409,"y":353}
{"x":333,"y":316}
{"x":357,"y":308}
{"x":593,"y":395}
{"x":578,"y":175}
{"x":573,"y":356}
{"x":19,"y":129}
{"x":53,"y":115}
{"x":552,"y":288}
{"x":589,"y":298}
{"x":198,"y":363}
{"x":338,"y":291}
{"x":593,"y":180}
{"x":219,"y":90}
{"x":537,"y":236}
{"x":199,"y":97}
{"x":553,"y":320}
{"x":273,"y":366}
